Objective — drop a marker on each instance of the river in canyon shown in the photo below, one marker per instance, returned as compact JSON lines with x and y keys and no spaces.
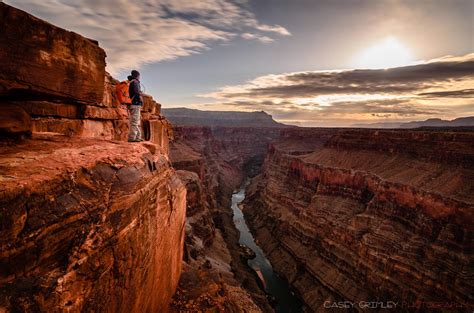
{"x":278,"y":288}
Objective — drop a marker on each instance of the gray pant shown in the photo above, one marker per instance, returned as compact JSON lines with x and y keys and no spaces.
{"x":134,"y":132}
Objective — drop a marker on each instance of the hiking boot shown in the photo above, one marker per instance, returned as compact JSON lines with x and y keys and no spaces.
{"x":135,"y":140}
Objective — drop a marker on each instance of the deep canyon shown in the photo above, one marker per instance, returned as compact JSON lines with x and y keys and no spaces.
{"x":91,"y":223}
{"x":367,"y":217}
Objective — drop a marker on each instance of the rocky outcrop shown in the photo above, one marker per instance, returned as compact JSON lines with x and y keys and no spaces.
{"x":41,"y":61}
{"x":361,"y":215}
{"x":453,"y":146}
{"x":55,"y":81}
{"x":244,"y":147}
{"x":89,"y":223}
{"x":233,"y":152}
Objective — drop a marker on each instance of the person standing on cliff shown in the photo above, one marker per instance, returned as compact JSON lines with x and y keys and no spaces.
{"x":134,"y":90}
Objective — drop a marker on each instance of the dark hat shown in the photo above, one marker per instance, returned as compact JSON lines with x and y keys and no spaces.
{"x":135,"y":74}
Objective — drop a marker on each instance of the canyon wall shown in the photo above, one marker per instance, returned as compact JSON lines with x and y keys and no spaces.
{"x":221,"y":156}
{"x":89,"y":222}
{"x":369,"y":215}
{"x":213,"y":163}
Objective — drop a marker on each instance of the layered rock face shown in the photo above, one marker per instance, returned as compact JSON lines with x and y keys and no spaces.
{"x":221,"y":156}
{"x":362,"y":215}
{"x":42,"y":61}
{"x":213,"y":163}
{"x":54,"y":80}
{"x":88,"y":224}
{"x":207,"y":283}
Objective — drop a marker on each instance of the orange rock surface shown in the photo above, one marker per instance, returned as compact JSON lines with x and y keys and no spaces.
{"x":88,"y":222}
{"x":88,"y":225}
{"x":42,"y":61}
{"x":53,"y":80}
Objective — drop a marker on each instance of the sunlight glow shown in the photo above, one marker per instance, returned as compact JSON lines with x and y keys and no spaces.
{"x":388,"y":53}
{"x":328,"y":100}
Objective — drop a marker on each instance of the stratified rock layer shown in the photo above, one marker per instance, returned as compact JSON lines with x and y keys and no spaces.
{"x":88,"y":225}
{"x":213,"y":163}
{"x":207,"y":283}
{"x":361,"y":215}
{"x":42,"y":61}
{"x":53,"y":80}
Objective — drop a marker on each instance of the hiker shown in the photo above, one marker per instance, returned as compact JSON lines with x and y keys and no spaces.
{"x":135,"y":94}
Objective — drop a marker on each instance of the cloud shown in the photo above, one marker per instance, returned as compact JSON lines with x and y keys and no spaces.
{"x":387,"y":108}
{"x":463,"y":93}
{"x":315,"y":83}
{"x":277,"y":29}
{"x":435,"y":88}
{"x":137,"y":32}
{"x":264,"y":39}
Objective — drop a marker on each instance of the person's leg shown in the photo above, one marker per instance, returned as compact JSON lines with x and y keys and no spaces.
{"x":130,"y":130}
{"x":139,"y":119}
{"x":134,"y":114}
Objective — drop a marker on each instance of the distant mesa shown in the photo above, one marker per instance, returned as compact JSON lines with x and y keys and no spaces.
{"x":432,"y":122}
{"x":193,"y":117}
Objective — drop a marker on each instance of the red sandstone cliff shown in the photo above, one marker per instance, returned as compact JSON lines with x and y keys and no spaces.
{"x":53,"y":80}
{"x":363,"y":215}
{"x":89,"y":223}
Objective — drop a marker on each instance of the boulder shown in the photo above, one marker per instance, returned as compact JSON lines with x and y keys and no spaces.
{"x":14,"y":121}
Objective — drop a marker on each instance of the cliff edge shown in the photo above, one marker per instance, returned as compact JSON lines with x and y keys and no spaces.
{"x":88,"y":221}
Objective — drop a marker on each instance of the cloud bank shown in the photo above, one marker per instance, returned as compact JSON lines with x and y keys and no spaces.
{"x":137,"y":32}
{"x":441,"y":87}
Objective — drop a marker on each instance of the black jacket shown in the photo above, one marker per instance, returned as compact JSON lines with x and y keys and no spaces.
{"x":135,"y":92}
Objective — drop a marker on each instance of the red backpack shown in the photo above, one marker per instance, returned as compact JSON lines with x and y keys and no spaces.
{"x":122,"y":92}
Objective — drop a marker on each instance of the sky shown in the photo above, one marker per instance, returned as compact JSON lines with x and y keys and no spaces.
{"x":306,"y":62}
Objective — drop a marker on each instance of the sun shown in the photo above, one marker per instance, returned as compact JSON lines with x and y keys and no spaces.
{"x":389,"y":52}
